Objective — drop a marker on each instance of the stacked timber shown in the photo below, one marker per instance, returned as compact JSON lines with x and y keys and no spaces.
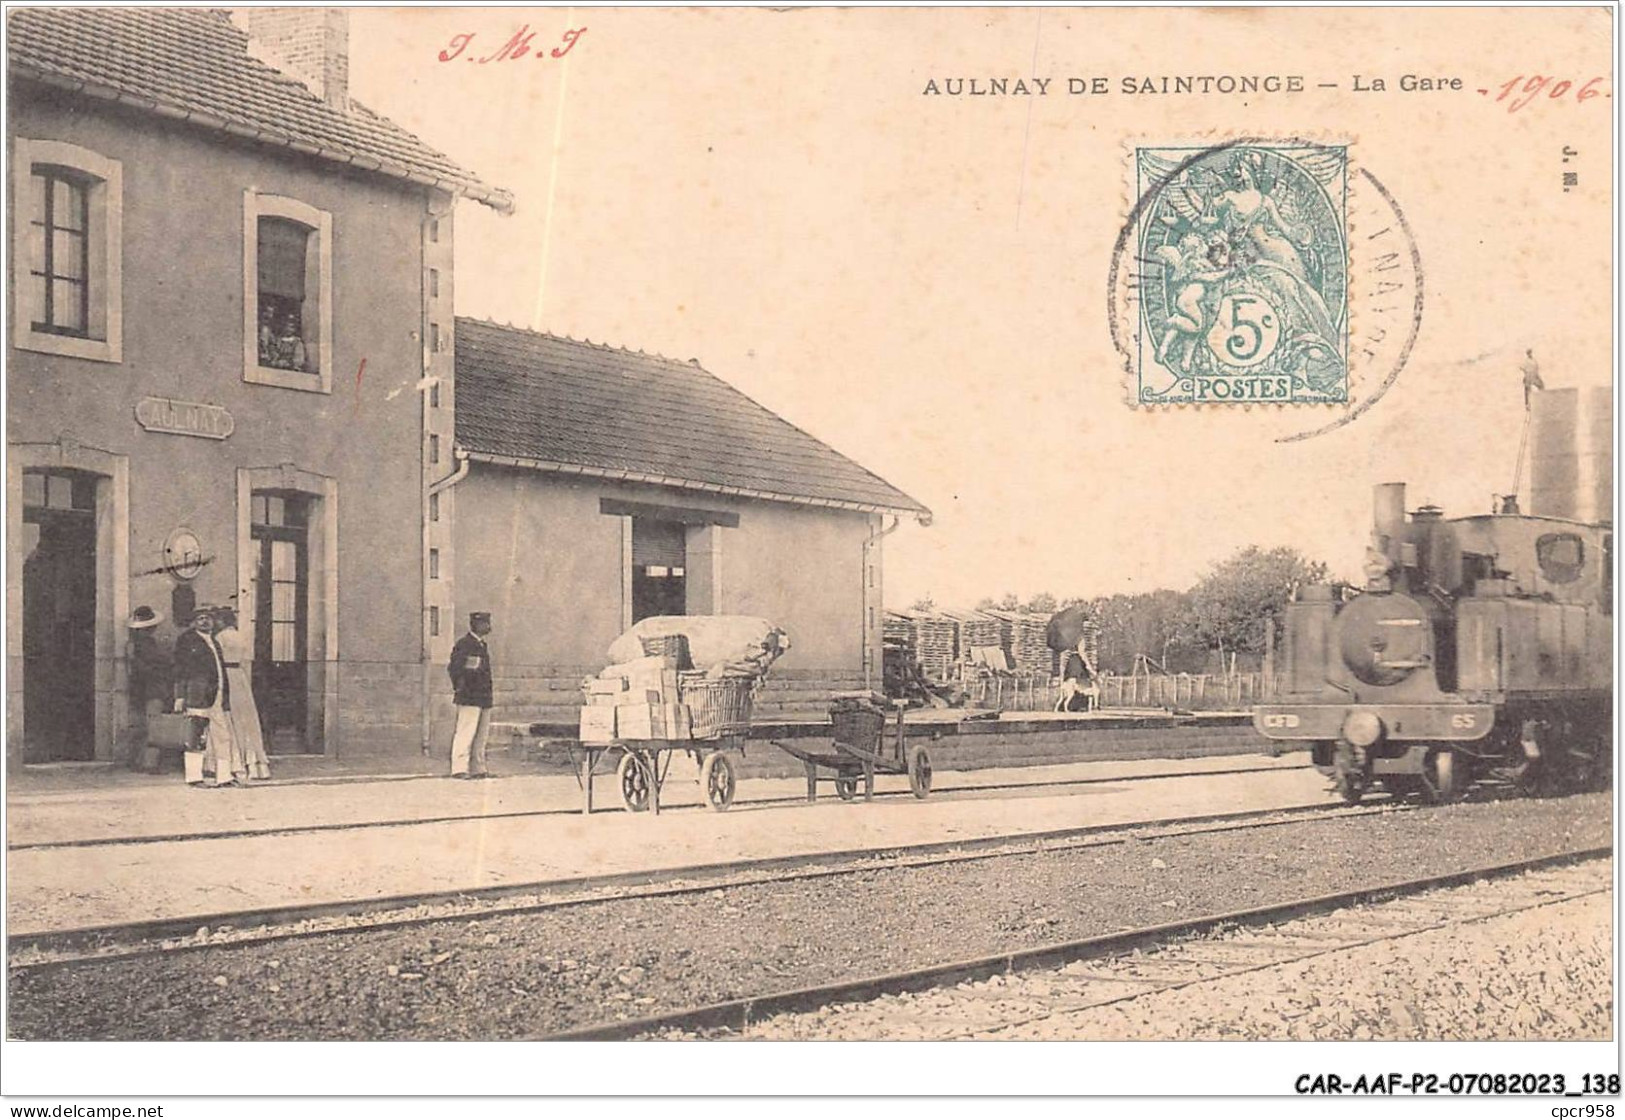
{"x":898,"y":631}
{"x":1028,"y":649}
{"x":980,"y":630}
{"x":936,"y":644}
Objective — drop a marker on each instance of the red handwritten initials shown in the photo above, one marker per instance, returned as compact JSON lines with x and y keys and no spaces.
{"x":518,"y":46}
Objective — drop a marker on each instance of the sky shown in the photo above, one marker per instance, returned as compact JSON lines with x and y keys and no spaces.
{"x":921,"y":281}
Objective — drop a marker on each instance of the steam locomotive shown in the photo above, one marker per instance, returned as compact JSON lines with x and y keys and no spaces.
{"x":1481,"y":648}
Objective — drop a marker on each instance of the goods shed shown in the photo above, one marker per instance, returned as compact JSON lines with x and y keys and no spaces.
{"x":600,"y":486}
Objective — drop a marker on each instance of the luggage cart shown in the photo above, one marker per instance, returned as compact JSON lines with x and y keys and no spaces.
{"x":719,"y":718}
{"x":862,"y":750}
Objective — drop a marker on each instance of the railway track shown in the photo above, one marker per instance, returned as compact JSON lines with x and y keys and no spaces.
{"x":975,"y":998}
{"x":354,"y":826}
{"x":104,"y":943}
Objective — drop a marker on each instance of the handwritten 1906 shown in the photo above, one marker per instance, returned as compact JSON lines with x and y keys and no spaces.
{"x":517,"y":46}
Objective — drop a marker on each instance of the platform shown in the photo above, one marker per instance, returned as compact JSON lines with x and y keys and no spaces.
{"x":391,"y":839}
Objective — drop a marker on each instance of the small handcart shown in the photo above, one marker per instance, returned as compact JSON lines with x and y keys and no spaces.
{"x":719,"y":714}
{"x":861,"y":749}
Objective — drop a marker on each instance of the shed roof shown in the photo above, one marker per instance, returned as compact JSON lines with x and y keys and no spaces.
{"x":193,"y":64}
{"x":551,"y":403}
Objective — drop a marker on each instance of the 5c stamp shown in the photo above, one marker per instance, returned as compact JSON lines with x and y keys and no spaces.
{"x":1243,"y":259}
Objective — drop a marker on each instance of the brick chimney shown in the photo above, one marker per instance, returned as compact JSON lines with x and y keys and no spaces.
{"x":309,"y":44}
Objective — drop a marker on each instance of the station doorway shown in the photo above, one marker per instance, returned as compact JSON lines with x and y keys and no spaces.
{"x":59,"y":616}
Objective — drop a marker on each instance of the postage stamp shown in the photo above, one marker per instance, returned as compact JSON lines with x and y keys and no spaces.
{"x":1243,"y":258}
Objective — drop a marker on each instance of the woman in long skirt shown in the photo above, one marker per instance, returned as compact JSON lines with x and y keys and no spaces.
{"x":244,"y":714}
{"x":201,"y":684}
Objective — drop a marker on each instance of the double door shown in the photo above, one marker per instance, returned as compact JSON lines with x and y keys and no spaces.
{"x":59,"y":617}
{"x":281,"y":679}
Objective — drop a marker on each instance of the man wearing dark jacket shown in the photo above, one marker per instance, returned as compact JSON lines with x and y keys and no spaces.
{"x":470,"y":670}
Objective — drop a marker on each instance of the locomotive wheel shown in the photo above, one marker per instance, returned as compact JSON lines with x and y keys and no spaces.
{"x":635,"y":778}
{"x":717,"y":779}
{"x":1351,"y":776}
{"x":1443,"y":777}
{"x":846,"y":786}
{"x":919,"y":772}
{"x":1350,"y":786}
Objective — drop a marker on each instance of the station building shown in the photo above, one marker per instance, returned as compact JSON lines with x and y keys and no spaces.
{"x":230,"y":306}
{"x":235,"y":378}
{"x":598,"y":486}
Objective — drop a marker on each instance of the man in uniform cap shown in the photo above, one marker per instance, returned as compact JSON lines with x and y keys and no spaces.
{"x":470,"y":670}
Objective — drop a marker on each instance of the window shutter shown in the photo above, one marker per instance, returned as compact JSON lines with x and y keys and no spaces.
{"x":282,"y":249}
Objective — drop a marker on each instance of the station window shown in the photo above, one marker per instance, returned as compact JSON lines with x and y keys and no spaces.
{"x":288,"y":303}
{"x":1561,"y":557}
{"x":434,"y":507}
{"x":434,"y":449}
{"x":434,"y":283}
{"x":434,"y":563}
{"x":434,"y":622}
{"x":45,"y":490}
{"x":659,"y":568}
{"x":66,"y":252}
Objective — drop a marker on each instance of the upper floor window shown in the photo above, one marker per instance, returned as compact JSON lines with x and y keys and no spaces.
{"x":59,"y":251}
{"x":287,"y":293}
{"x":66,"y":251}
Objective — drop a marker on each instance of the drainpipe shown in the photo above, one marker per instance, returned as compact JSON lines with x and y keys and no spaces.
{"x":456,"y":476}
{"x":873,"y":541}
{"x":461,"y":472}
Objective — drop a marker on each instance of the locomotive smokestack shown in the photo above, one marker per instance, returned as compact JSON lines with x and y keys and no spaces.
{"x":1388,"y":518}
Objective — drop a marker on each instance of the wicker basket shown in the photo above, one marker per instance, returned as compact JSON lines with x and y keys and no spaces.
{"x":717,"y":708}
{"x":857,"y":726}
{"x":669,"y":645}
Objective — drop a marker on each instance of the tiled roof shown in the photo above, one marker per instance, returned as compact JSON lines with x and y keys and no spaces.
{"x":193,"y":64}
{"x":575,"y":407}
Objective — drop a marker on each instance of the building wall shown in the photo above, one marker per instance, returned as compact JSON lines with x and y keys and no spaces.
{"x":536,"y":551}
{"x":183,"y":202}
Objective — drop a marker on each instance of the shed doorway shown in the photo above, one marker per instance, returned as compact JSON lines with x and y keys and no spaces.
{"x":659,"y":568}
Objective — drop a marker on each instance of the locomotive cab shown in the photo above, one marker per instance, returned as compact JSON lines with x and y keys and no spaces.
{"x":1473,"y":641}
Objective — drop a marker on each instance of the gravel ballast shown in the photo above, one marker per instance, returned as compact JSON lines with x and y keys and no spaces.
{"x":530,"y":974}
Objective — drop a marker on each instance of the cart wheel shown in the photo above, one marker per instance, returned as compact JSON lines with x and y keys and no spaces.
{"x":919,"y":772}
{"x":634,"y":782}
{"x":846,"y":787}
{"x":717,"y":779}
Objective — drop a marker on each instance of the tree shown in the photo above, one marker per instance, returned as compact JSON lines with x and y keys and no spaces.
{"x":924,"y":604}
{"x":1042,"y":603}
{"x":985,"y":604}
{"x":1230,"y":605}
{"x":1009,"y":602}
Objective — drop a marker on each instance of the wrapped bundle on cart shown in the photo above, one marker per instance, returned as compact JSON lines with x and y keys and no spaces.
{"x":679,"y":683}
